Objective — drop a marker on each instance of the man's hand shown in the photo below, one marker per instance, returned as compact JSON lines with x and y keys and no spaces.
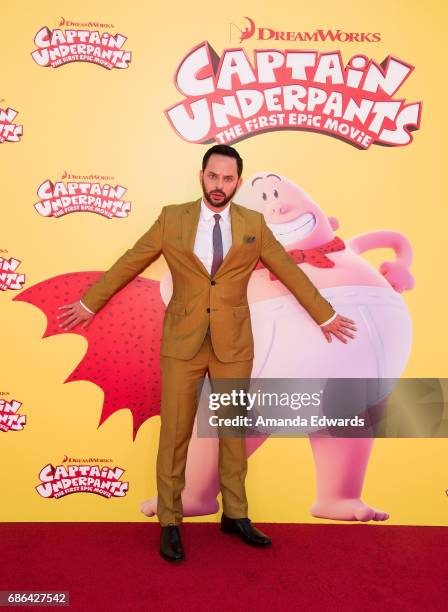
{"x":339,"y":327}
{"x":75,"y":313}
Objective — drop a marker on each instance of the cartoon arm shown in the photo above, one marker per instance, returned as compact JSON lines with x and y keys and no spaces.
{"x":397,"y":272}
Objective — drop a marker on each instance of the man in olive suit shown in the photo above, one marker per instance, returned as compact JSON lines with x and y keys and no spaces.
{"x":211,"y":247}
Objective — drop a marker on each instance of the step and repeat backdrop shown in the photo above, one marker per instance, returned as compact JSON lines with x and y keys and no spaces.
{"x":105,"y":113}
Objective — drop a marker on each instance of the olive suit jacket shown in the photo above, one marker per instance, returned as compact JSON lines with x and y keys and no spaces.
{"x":199,"y":300}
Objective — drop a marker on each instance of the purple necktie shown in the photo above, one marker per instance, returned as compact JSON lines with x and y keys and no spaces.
{"x":217,"y":251}
{"x":217,"y":246}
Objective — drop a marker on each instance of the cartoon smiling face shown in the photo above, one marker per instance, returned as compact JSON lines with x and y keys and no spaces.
{"x":294,"y":218}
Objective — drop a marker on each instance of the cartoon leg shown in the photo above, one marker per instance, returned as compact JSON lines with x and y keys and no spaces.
{"x":199,"y":497}
{"x":341,"y":464}
{"x":201,"y":479}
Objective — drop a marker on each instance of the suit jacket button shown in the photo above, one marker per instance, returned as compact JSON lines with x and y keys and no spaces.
{"x":212,"y":282}
{"x":208,"y":309}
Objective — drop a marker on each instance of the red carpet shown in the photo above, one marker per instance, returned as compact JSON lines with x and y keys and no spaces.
{"x":320,"y":567}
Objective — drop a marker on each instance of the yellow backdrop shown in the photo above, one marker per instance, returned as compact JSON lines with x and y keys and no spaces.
{"x":83,"y":119}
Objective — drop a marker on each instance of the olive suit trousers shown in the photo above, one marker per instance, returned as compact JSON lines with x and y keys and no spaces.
{"x":180,"y":379}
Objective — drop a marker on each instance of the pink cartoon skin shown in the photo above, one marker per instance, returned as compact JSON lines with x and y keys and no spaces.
{"x":288,"y":344}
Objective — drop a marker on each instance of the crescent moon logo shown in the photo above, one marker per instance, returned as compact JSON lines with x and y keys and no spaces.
{"x":249,"y":31}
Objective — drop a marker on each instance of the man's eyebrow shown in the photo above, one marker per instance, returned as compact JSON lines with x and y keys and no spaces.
{"x":225,"y":175}
{"x":258,"y":178}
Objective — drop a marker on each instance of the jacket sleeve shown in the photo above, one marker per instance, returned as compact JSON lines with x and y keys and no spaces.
{"x":146,"y":250}
{"x":276,"y":259}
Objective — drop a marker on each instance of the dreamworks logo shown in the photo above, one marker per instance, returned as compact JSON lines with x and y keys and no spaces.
{"x":250,"y":30}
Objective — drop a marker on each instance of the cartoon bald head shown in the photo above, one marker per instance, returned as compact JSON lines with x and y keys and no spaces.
{"x":292,"y":215}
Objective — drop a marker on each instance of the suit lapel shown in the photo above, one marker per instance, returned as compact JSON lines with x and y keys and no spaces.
{"x":190,"y":221}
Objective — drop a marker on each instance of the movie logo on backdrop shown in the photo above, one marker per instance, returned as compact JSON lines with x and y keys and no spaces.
{"x":9,"y":278}
{"x":9,"y":131}
{"x":78,"y":43}
{"x":229,"y":98}
{"x":318,"y":35}
{"x":80,"y":477}
{"x":69,"y":23}
{"x":10,"y":420}
{"x":82,"y":193}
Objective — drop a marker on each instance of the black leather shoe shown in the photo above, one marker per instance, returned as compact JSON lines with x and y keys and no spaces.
{"x":170,"y":543}
{"x":244,"y":530}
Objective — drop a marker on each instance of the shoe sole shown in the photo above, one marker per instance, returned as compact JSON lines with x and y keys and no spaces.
{"x":171,"y":559}
{"x":243,"y":539}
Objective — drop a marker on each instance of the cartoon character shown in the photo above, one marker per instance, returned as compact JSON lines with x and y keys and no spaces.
{"x":289,"y":345}
{"x":124,"y":339}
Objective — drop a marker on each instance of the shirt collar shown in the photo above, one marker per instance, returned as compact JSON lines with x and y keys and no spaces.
{"x":207,"y":214}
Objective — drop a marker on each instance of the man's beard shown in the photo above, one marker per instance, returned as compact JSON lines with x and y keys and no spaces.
{"x":223,"y":202}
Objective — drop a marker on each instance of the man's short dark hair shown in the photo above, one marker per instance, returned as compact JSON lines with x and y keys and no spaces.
{"x":223,"y":150}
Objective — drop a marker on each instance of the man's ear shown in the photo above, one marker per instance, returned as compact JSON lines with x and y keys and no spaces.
{"x":201,"y":174}
{"x":240,"y":181}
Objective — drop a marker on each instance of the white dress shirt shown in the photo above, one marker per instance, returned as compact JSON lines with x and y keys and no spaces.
{"x":203,"y":244}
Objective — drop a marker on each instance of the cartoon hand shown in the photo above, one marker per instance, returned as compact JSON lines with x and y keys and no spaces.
{"x":398,"y":275}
